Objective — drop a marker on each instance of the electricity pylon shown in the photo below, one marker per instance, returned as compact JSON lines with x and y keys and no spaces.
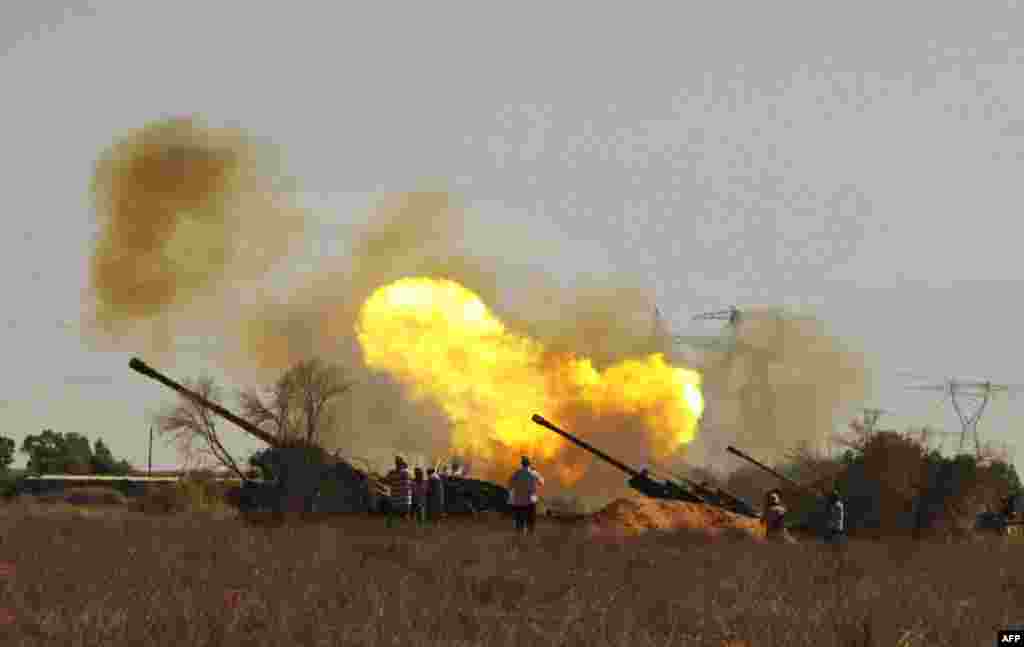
{"x":734,"y":317}
{"x":756,"y":396}
{"x":961,"y":392}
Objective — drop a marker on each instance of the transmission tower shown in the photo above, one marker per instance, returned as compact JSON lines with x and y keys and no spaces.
{"x":969,"y":398}
{"x":731,"y":314}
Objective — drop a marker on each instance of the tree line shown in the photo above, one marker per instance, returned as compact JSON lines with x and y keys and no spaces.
{"x":51,"y":452}
{"x":891,"y":482}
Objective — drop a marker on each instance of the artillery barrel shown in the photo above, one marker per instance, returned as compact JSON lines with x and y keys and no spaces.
{"x":141,"y":367}
{"x":712,"y":492}
{"x":593,"y":450}
{"x":733,"y":499}
{"x":784,"y":479}
{"x":732,"y":502}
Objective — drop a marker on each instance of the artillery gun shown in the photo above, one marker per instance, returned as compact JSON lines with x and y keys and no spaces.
{"x":305,"y":477}
{"x":641,"y":481}
{"x":1008,"y":520}
{"x":814,"y":521}
{"x":785,"y":479}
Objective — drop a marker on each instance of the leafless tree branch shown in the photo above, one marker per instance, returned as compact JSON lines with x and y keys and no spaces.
{"x":297,"y":405}
{"x":193,"y":429}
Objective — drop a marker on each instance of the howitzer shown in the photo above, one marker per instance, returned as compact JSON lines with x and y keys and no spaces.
{"x":722,"y":498}
{"x":639,"y":481}
{"x":997,"y":522}
{"x":540,"y":420}
{"x":139,"y":366}
{"x":308,"y":474}
{"x":1007,"y":520}
{"x":775,"y":473}
{"x":298,"y":471}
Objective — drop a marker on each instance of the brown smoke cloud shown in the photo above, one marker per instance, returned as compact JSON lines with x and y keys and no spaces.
{"x":188,"y":210}
{"x":784,"y":384}
{"x":422,"y":234}
{"x":182,"y":208}
{"x":410,"y":235}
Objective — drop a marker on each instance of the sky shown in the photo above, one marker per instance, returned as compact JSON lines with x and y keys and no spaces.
{"x":853,"y":160}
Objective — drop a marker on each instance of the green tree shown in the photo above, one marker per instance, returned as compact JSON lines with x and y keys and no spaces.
{"x":46,"y":452}
{"x":103,"y":461}
{"x":78,"y":454}
{"x":1006,"y":474}
{"x":6,"y":454}
{"x":51,"y":452}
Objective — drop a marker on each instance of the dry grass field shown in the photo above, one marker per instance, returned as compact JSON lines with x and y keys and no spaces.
{"x":105,"y":575}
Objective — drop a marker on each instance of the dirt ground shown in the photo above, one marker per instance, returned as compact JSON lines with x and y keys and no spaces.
{"x":635,"y":515}
{"x":111,"y":575}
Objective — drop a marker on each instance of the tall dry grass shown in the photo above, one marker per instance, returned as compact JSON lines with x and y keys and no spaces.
{"x":119,"y":578}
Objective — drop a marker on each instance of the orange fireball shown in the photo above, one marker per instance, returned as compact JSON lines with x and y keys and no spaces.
{"x":442,"y":341}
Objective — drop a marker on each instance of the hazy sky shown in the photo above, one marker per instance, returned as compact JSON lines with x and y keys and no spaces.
{"x":858,"y":160}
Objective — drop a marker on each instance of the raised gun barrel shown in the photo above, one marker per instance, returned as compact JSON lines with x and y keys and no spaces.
{"x":590,"y":448}
{"x":639,"y":481}
{"x":721,"y":498}
{"x":139,"y":366}
{"x":776,"y":474}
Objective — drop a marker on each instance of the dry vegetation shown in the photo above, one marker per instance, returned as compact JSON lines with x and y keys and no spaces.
{"x":111,"y":576}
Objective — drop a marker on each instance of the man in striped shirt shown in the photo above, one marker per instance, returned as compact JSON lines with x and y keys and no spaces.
{"x":400,"y":483}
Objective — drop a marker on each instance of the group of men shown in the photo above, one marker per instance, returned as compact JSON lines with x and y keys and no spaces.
{"x":774,"y":518}
{"x":415,"y":494}
{"x":421,"y":496}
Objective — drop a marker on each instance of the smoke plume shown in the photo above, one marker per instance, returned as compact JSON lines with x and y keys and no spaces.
{"x":423,"y":234}
{"x":182,"y":207}
{"x":188,"y":210}
{"x":782,"y":384}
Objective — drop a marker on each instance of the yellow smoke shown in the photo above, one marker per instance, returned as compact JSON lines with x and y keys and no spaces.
{"x":445,"y":345}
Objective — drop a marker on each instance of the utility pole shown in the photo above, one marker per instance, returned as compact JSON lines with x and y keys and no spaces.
{"x":151,"y":450}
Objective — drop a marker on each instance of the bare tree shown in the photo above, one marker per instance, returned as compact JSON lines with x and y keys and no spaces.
{"x":810,"y":465}
{"x":193,"y":428}
{"x":298,"y":405}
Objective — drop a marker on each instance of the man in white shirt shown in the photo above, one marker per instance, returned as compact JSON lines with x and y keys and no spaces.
{"x":523,"y":488}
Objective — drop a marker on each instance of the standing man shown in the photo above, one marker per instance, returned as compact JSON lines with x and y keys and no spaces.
{"x":775,"y":519}
{"x":419,"y":496}
{"x":523,"y":488}
{"x":435,"y":495}
{"x":400,"y":483}
{"x":835,"y":530}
